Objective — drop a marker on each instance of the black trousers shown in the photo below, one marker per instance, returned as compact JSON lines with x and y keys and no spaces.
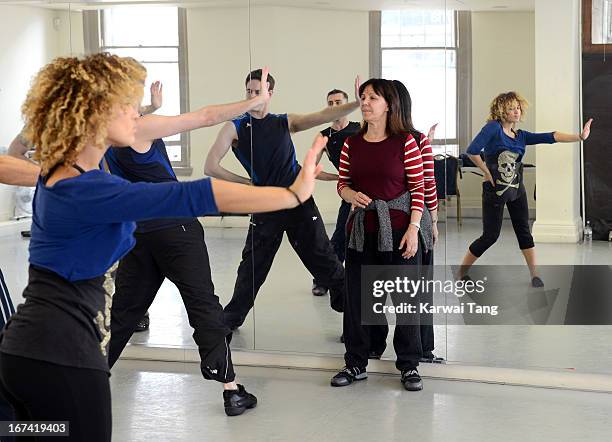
{"x":360,"y":339}
{"x":378,"y":336}
{"x":6,"y":310}
{"x":493,"y":215}
{"x":42,"y":391}
{"x":426,"y":326}
{"x":307,"y":236}
{"x":338,"y":239}
{"x":179,"y":254}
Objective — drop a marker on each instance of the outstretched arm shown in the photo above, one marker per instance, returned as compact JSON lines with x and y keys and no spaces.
{"x":151,"y":127}
{"x":19,"y":147}
{"x":571,"y":138}
{"x":18,"y":172}
{"x":300,"y":122}
{"x":217,"y":152}
{"x":238,"y":198}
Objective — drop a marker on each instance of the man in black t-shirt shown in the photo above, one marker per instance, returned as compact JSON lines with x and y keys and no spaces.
{"x":261,"y":141}
{"x":337,"y":133}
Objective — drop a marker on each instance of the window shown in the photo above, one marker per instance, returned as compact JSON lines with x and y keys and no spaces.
{"x":153,"y":36}
{"x":419,"y":48}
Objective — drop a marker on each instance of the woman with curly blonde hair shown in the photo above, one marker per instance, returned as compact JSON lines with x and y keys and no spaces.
{"x":53,"y":351}
{"x":504,"y":147}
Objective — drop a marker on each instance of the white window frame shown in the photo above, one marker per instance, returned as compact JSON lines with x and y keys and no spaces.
{"x":462,"y":47}
{"x":93,"y":25}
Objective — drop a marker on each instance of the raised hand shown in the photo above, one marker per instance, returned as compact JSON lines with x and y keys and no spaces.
{"x":357,"y":85}
{"x":432,"y":133}
{"x":156,"y":94}
{"x":304,"y":184}
{"x":264,"y":89}
{"x":586,"y":130}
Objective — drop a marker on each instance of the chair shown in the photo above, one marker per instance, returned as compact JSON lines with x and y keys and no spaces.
{"x":447,"y":170}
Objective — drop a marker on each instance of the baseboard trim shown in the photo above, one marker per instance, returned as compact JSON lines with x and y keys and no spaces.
{"x":540,"y":378}
{"x":557,"y":233}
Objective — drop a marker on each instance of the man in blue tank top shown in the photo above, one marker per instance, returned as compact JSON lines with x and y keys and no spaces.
{"x":261,"y":141}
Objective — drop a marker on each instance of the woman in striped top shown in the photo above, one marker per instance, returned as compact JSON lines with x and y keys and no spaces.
{"x":380,"y":168}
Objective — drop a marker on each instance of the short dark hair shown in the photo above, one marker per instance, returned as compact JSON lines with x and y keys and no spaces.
{"x":337,"y":91}
{"x":256,"y":75}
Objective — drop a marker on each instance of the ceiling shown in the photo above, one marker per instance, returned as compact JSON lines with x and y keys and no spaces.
{"x":351,"y":5}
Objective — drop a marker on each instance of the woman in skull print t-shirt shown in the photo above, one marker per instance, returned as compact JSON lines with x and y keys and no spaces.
{"x":504,"y":147}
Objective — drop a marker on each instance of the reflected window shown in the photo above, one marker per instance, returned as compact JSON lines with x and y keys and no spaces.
{"x":419,"y":48}
{"x":601,"y":22}
{"x":152,"y":35}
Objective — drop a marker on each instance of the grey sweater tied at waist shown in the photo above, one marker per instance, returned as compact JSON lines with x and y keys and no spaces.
{"x":385,"y":236}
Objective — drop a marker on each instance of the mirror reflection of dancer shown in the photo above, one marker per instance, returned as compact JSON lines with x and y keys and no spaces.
{"x":339,"y":131}
{"x":172,"y":248}
{"x":381,"y":176}
{"x":431,"y":203}
{"x":504,"y":147}
{"x":53,"y":351}
{"x":268,"y":137}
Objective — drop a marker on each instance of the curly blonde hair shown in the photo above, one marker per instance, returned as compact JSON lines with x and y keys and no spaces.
{"x":497,"y":111}
{"x":71,"y":102}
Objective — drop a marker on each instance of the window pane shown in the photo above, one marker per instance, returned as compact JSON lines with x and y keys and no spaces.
{"x":445,"y":149}
{"x":133,"y":26}
{"x":168,"y":74}
{"x":431,"y":83}
{"x":147,"y":54}
{"x":174,"y":152}
{"x":411,"y":28}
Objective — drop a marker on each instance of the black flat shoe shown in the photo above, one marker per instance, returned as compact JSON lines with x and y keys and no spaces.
{"x":412,"y":380}
{"x":537,"y":282}
{"x":238,"y":401}
{"x":143,"y":324}
{"x":430,"y":358}
{"x":319,"y":290}
{"x":348,"y":375}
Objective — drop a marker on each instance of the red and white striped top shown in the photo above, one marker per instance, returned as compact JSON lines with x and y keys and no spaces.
{"x":431,"y":195}
{"x":377,"y":170}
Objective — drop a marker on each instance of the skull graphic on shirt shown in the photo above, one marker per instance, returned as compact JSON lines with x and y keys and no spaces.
{"x":506,"y":163}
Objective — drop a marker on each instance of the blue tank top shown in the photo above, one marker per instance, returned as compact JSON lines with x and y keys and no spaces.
{"x":273,"y":161}
{"x":152,"y":166}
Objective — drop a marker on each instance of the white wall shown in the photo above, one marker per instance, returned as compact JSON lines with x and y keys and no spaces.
{"x":309,"y":52}
{"x":70,"y":40}
{"x":558,"y":96}
{"x":28,"y":40}
{"x":503,"y":59}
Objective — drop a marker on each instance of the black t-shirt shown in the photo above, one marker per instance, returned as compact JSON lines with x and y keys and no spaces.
{"x":507,"y":173}
{"x":273,"y":161}
{"x":152,"y":166}
{"x":62,"y":322}
{"x":336,"y":141}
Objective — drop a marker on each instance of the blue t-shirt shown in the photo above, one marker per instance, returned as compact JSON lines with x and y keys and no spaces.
{"x":493,"y":139}
{"x":82,"y":225}
{"x":153,"y":166}
{"x":273,"y":162}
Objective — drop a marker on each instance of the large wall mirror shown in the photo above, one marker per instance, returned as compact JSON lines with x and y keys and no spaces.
{"x":415,"y":45}
{"x":453,"y":57}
